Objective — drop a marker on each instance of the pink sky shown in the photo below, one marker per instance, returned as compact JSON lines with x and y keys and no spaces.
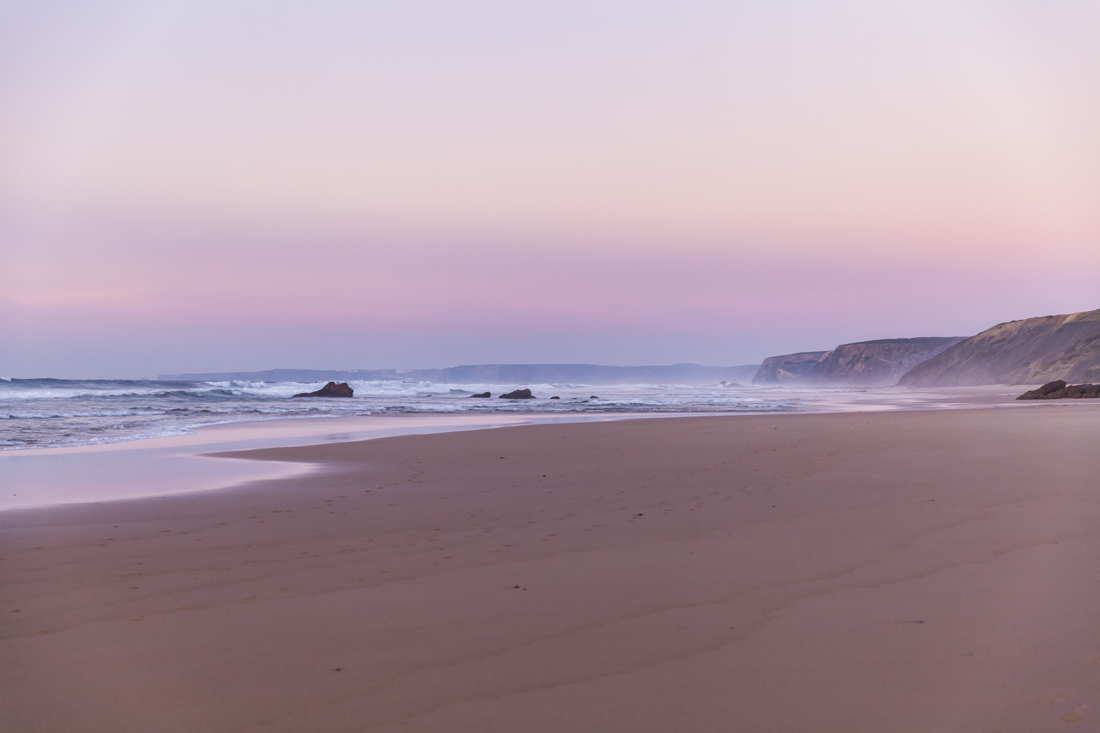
{"x":204,"y":186}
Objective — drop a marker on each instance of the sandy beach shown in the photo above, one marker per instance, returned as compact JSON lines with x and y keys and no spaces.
{"x":878,"y":572}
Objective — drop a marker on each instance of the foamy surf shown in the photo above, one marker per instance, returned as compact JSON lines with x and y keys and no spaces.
{"x":38,"y":413}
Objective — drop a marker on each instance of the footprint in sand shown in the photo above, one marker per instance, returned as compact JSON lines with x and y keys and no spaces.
{"x":1075,"y":716}
{"x":1059,"y":697}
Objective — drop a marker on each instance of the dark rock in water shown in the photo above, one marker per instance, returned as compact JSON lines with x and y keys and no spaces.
{"x":519,"y":394}
{"x":555,"y":397}
{"x":1059,"y":390}
{"x":332,"y":389}
{"x":1046,"y":389}
{"x":483,"y":394}
{"x":1078,"y":391}
{"x":593,"y":397}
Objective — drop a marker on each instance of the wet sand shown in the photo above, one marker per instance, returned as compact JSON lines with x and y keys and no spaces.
{"x":907,"y":571}
{"x":41,"y":477}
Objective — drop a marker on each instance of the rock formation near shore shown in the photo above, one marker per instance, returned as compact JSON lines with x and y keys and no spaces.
{"x":864,"y":363}
{"x":1059,"y":390}
{"x":1031,"y":351}
{"x":482,"y":395}
{"x":519,"y":394}
{"x":332,"y":389}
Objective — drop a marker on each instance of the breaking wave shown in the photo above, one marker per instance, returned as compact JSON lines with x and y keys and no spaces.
{"x":59,"y":412}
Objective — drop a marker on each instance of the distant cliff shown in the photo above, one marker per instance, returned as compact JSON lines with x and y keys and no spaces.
{"x":788,"y":367}
{"x":865,"y":363}
{"x":592,"y":374}
{"x":1031,"y":351}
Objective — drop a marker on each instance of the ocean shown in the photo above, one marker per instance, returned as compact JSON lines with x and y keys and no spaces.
{"x":43,"y":413}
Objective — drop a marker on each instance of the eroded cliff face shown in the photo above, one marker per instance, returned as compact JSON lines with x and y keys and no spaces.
{"x":878,"y":363}
{"x":863,"y":364}
{"x":1031,"y":351}
{"x":788,"y":368}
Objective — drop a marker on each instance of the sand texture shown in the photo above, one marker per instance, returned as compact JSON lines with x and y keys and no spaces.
{"x":878,"y":572}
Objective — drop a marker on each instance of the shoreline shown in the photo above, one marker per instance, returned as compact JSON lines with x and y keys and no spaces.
{"x":118,"y":471}
{"x":182,"y":464}
{"x":798,"y":400}
{"x":875,"y":571}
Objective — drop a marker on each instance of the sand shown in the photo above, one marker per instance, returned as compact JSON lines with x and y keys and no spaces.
{"x":906,"y":571}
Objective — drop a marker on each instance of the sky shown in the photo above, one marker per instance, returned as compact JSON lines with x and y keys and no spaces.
{"x":212,"y":186}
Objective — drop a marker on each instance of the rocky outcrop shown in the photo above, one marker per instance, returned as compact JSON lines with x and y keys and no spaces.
{"x":1031,"y":351}
{"x":863,"y":364}
{"x":519,"y":394}
{"x":482,"y":395}
{"x":332,"y":389}
{"x":1059,"y":390}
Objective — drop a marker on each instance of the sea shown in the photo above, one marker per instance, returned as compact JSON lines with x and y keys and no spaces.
{"x":45,"y":413}
{"x":93,"y":441}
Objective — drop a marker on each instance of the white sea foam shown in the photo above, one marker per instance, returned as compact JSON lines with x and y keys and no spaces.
{"x":50,"y":412}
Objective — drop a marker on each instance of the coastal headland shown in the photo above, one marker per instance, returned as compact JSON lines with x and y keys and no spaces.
{"x":890,"y":571}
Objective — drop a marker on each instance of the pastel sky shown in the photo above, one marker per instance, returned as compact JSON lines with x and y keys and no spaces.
{"x":203,"y":186}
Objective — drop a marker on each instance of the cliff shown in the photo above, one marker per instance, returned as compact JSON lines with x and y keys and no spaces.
{"x":864,"y":364}
{"x":1031,"y":351}
{"x":788,"y":368}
